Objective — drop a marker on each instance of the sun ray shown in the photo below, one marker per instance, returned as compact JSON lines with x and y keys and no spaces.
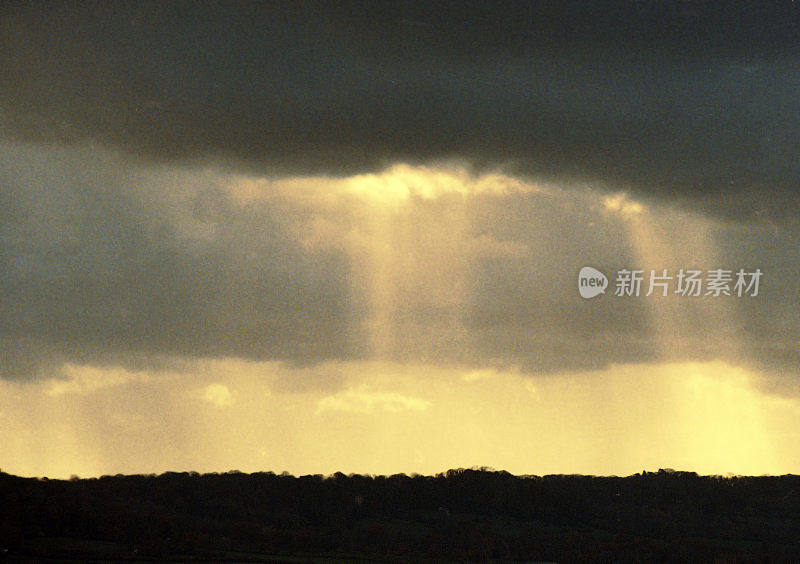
{"x":680,"y":240}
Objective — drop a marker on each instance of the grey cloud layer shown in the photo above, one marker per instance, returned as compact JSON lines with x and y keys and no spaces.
{"x":689,"y":101}
{"x":106,"y":261}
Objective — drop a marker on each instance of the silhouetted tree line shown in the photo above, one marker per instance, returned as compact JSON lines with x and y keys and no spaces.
{"x":471,"y":515}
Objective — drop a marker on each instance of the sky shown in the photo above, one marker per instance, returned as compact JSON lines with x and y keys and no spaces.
{"x":319,"y":237}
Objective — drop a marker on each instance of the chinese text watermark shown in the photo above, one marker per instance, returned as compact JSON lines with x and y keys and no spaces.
{"x":684,"y":282}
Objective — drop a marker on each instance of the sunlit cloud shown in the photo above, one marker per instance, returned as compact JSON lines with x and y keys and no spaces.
{"x":622,"y":204}
{"x":217,"y":395}
{"x":391,"y":187}
{"x":401,"y":182}
{"x":367,"y":402}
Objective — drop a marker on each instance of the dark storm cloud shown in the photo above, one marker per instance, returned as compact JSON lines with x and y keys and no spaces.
{"x":145,"y":260}
{"x":98,"y":265}
{"x":692,"y":101}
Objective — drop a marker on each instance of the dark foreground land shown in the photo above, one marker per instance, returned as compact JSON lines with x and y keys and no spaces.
{"x":462,"y":515}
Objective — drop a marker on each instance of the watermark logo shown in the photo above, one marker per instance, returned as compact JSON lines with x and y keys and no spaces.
{"x":591,"y":282}
{"x":684,"y":282}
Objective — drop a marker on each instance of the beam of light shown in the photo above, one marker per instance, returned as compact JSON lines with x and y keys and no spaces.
{"x":678,"y":240}
{"x":404,"y":232}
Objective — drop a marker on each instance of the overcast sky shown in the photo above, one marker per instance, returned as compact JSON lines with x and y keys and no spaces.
{"x":346,"y":236}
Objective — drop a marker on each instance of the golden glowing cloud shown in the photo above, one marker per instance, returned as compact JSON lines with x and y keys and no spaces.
{"x":364,"y":401}
{"x":218,"y":395}
{"x":620,"y":203}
